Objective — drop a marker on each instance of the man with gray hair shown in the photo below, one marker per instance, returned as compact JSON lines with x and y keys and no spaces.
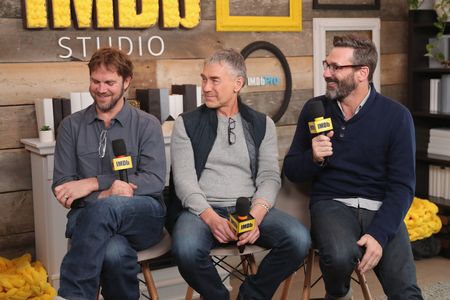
{"x":221,"y":151}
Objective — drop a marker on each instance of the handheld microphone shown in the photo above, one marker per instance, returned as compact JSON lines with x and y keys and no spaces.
{"x":121,"y":162}
{"x":241,"y":221}
{"x":320,"y":125}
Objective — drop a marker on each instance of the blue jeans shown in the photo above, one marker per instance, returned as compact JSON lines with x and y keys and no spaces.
{"x":335,"y":230}
{"x":192,"y":241}
{"x":105,"y":236}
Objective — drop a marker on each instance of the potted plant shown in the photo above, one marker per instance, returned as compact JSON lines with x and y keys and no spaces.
{"x":433,"y":49}
{"x":46,"y":134}
{"x":420,"y":4}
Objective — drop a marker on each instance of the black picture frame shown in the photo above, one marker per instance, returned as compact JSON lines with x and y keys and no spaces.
{"x":263,"y":45}
{"x":372,"y":6}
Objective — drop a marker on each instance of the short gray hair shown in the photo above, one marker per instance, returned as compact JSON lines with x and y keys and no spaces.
{"x":231,"y":57}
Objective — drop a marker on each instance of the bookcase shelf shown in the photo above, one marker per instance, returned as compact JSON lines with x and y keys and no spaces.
{"x":434,"y":159}
{"x":421,"y":28}
{"x":432,"y":71}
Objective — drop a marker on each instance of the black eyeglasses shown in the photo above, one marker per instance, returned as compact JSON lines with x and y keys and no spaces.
{"x":102,"y":143}
{"x":231,"y":134}
{"x":334,"y":67}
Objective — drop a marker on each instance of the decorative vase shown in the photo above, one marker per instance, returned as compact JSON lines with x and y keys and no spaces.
{"x":427,"y":4}
{"x":46,"y":136}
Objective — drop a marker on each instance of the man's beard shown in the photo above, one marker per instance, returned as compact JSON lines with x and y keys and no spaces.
{"x":109,"y":106}
{"x":344,"y":88}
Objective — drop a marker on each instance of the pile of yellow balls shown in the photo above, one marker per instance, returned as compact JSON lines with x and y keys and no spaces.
{"x":422,"y":220}
{"x":20,"y":279}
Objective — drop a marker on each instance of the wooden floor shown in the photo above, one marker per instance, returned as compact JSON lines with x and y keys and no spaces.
{"x":429,"y":271}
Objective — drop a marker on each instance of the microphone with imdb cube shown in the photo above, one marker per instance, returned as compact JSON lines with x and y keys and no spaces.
{"x":241,"y":221}
{"x":320,"y":124}
{"x":122,"y":161}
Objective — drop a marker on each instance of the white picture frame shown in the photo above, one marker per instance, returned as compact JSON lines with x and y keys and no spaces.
{"x":322,"y":25}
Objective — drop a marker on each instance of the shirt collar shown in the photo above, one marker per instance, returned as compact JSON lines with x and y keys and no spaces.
{"x":122,"y":117}
{"x":360,"y":105}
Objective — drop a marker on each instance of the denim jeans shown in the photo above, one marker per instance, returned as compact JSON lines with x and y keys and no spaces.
{"x":105,"y":236}
{"x":192,"y":241}
{"x":335,"y":230}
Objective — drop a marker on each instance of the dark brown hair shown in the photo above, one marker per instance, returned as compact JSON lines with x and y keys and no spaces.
{"x":114,"y":60}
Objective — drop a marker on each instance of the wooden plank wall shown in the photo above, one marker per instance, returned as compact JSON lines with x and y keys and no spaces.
{"x":30,"y":70}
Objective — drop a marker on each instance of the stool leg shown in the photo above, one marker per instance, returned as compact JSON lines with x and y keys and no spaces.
{"x":245,"y":264}
{"x":189,"y":293}
{"x":286,"y":286}
{"x":252,"y":264}
{"x":364,"y":287}
{"x":152,"y":291}
{"x":308,"y":274}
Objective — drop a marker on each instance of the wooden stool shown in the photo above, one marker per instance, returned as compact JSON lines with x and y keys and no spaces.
{"x":247,"y":265}
{"x":308,"y":274}
{"x":143,"y":258}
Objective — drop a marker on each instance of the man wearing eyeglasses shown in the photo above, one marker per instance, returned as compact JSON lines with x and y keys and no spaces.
{"x":221,"y":151}
{"x":363,"y":175}
{"x":110,"y":218}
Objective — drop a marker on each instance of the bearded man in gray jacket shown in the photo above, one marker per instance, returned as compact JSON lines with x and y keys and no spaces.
{"x":221,"y":151}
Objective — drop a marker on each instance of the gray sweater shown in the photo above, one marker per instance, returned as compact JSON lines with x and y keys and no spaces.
{"x":227,"y":174}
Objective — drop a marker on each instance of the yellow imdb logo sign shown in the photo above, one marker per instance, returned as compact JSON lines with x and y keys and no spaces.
{"x":242,"y":226}
{"x":102,"y":14}
{"x":122,"y":163}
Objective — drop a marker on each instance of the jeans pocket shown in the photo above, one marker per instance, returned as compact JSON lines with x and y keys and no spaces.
{"x":72,"y":217}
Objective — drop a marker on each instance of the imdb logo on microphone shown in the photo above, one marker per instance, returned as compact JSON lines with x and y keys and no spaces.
{"x":122,"y":163}
{"x":320,"y":125}
{"x":241,"y":226}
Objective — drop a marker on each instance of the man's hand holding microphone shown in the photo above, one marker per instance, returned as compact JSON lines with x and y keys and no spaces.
{"x":322,"y":130}
{"x":121,"y":163}
{"x":241,"y":226}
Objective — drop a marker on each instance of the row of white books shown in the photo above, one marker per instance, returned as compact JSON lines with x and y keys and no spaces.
{"x":440,"y":94}
{"x":439,"y":181}
{"x":439,"y":142}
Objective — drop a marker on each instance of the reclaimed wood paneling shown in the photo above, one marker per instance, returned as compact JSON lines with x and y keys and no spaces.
{"x":393,"y":69}
{"x":10,"y":9}
{"x":15,"y":170}
{"x":259,"y":7}
{"x":269,"y":103}
{"x":285,"y":135}
{"x":398,"y":92}
{"x":397,"y":44}
{"x":144,"y":77}
{"x":17,"y":122}
{"x":17,"y":213}
{"x":15,"y":245}
{"x":25,"y":83}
